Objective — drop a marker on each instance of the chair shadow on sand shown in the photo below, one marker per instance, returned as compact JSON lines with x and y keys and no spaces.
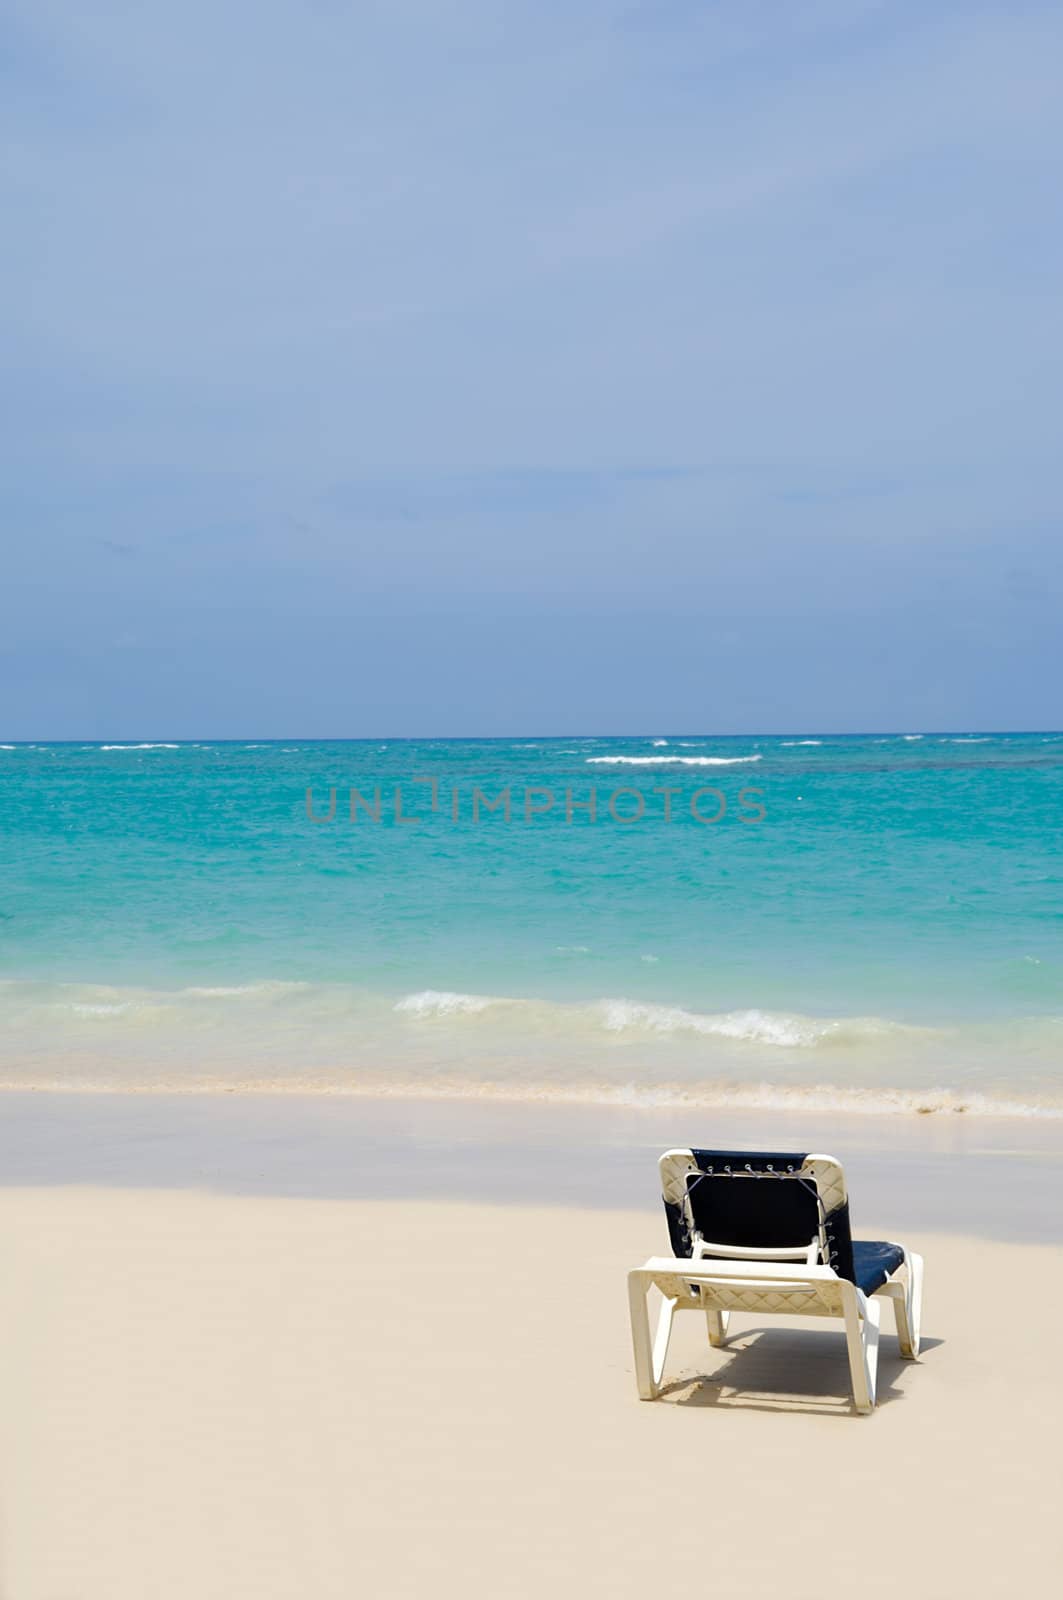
{"x":789,"y":1369}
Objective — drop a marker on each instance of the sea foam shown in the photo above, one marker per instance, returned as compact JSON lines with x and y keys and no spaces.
{"x":821,"y":1098}
{"x":790,"y":1031}
{"x":444,"y":1003}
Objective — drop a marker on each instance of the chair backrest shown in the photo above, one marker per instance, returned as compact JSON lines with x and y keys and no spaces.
{"x":759,"y":1199}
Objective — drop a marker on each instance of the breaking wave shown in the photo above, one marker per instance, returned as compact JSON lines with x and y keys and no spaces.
{"x":786,"y":1030}
{"x":293,"y":1036}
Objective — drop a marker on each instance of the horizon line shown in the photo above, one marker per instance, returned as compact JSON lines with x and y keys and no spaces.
{"x":503,"y":738}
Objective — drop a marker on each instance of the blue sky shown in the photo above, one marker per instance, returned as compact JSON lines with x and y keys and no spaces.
{"x":455,"y":367}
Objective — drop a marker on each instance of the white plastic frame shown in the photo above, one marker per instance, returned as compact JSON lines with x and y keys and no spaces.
{"x":785,"y":1282}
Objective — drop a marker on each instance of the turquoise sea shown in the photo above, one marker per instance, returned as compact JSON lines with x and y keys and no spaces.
{"x":867,"y":922}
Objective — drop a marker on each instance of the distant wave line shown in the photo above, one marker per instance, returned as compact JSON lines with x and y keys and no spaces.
{"x":669,"y":761}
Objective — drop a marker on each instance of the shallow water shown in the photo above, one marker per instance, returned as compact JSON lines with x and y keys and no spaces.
{"x":871,"y":923}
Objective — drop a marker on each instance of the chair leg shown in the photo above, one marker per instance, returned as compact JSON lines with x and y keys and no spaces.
{"x":717,"y":1321}
{"x":908,"y":1311}
{"x":661,"y":1340}
{"x":862,"y":1318}
{"x":637,"y":1291}
{"x":649,"y":1358}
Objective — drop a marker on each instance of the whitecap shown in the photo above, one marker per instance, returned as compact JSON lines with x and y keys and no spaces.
{"x":140,"y":747}
{"x":791,"y":744}
{"x":669,"y":761}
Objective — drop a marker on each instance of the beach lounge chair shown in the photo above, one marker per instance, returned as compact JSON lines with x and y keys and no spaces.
{"x":769,"y":1232}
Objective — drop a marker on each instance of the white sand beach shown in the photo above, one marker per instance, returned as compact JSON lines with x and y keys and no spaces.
{"x":220,"y":1395}
{"x":532,"y":640}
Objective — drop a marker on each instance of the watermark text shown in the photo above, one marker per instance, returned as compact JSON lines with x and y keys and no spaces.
{"x":532,"y":803}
